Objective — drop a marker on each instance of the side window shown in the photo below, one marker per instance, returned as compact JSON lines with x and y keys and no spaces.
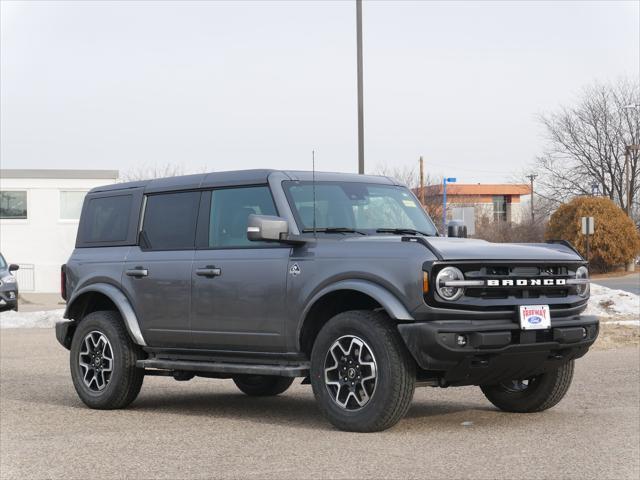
{"x":71,"y":204}
{"x":107,"y":219}
{"x":230,"y":209}
{"x":13,"y":204}
{"x":170,"y":221}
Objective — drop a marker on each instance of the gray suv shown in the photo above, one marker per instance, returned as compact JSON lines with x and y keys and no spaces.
{"x":263,"y":276}
{"x":8,"y":286}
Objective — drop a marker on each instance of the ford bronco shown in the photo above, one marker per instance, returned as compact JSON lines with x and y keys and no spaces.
{"x":342,"y":280}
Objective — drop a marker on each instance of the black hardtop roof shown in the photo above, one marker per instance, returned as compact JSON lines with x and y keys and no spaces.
{"x":238,"y":177}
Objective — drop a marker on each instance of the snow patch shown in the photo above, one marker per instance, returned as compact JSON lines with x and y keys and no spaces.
{"x":614,"y":306}
{"x":44,"y":319}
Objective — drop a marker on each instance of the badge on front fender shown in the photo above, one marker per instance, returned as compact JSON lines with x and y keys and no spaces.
{"x":535,"y":317}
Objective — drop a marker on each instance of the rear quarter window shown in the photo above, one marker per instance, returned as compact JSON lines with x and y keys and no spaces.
{"x":109,"y":219}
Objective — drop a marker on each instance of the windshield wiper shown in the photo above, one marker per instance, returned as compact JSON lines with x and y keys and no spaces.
{"x":332,"y":230}
{"x":400,"y":231}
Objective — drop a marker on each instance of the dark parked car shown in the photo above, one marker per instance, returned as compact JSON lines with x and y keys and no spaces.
{"x":342,"y":280}
{"x":8,"y":286}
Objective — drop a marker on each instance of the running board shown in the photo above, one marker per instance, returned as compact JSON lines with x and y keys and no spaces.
{"x":297,"y":370}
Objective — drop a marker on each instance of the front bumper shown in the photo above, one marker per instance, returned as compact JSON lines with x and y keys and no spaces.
{"x":495,"y":350}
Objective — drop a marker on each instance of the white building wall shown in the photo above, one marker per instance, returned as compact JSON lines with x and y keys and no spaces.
{"x":43,"y":239}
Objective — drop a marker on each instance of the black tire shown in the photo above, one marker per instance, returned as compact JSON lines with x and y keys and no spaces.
{"x":262,"y":385}
{"x":543,"y":391}
{"x":125,"y":379}
{"x":394,"y":384}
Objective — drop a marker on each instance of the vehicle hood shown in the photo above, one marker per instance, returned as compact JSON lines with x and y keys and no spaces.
{"x":473,"y":249}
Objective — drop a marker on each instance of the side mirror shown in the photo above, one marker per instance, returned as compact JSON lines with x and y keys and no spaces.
{"x":13,"y":267}
{"x":456,"y":228}
{"x":267,"y":228}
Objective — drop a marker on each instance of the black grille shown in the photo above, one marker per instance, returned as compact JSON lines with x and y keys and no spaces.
{"x":513,"y":272}
{"x":518,"y":272}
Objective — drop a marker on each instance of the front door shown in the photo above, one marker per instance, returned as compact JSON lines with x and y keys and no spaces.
{"x":239,"y":287}
{"x":157,"y":274}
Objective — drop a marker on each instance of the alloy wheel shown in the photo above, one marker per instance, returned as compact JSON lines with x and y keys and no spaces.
{"x":350,"y":372}
{"x":96,"y":361}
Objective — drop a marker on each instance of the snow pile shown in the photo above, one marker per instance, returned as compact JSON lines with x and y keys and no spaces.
{"x":614,"y":306}
{"x":45,"y":319}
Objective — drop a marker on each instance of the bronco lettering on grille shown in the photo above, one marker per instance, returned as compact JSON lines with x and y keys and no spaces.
{"x":527,"y":282}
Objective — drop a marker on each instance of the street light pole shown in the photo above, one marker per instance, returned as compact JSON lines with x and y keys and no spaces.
{"x":360,"y":93}
{"x":445,"y":180}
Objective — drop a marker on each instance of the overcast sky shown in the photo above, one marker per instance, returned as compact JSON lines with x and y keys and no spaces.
{"x":221,"y":86}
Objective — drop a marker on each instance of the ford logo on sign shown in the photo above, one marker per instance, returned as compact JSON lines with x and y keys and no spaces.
{"x":535,"y":319}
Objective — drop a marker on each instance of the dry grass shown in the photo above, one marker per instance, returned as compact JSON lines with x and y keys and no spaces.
{"x":615,"y":336}
{"x":621,"y":272}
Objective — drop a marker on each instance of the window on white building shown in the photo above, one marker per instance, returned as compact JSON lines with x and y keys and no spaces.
{"x":500,"y":208}
{"x":13,"y":204}
{"x":71,"y":204}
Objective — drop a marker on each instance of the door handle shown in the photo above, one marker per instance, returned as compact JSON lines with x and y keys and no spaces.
{"x":137,"y":272}
{"x":209,"y":271}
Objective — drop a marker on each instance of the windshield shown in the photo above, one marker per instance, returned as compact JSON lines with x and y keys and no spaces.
{"x":3,"y":264}
{"x":357,"y":206}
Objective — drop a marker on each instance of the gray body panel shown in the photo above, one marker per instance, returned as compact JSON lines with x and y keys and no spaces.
{"x":243,"y":307}
{"x":161,"y":299}
{"x":259,"y":300}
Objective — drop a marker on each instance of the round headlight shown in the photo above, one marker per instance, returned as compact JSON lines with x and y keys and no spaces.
{"x":445,"y":275}
{"x":582,"y":273}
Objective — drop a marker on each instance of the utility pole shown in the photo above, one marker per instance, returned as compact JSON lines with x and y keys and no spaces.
{"x":627,"y":155}
{"x":627,"y":169}
{"x":360,"y":94}
{"x":531,"y":178}
{"x":421,"y":192}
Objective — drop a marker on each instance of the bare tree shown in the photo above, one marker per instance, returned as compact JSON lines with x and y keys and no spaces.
{"x":586,"y":145}
{"x":148,"y":171}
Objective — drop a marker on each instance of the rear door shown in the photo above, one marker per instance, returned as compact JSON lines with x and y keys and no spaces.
{"x":157,"y":273}
{"x":239,"y":286}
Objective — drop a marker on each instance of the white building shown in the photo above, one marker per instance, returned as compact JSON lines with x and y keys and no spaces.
{"x":39,"y":212}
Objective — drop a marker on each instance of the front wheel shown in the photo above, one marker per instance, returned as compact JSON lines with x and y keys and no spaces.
{"x":533,"y":394}
{"x":362,"y":376}
{"x":262,"y":385}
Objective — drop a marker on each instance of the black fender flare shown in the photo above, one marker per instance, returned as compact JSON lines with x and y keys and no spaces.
{"x":389,"y":302}
{"x":120,"y":301}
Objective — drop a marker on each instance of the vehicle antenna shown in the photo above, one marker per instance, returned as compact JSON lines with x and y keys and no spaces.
{"x":313,"y":183}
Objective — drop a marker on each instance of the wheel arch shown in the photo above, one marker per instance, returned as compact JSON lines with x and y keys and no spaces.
{"x":98,"y":296}
{"x":343,"y":296}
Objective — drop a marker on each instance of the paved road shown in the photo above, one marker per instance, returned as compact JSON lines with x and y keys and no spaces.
{"x":206,"y":428}
{"x":628,"y":283}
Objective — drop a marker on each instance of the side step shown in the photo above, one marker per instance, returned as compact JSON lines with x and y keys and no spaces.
{"x":297,"y":370}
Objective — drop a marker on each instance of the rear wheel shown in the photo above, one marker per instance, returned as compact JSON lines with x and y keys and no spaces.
{"x":262,"y":385}
{"x":533,"y":394}
{"x":103,"y":362}
{"x":362,"y":375}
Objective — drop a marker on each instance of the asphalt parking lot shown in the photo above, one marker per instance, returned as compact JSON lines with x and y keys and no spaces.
{"x":628,"y":283}
{"x":207,"y":428}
